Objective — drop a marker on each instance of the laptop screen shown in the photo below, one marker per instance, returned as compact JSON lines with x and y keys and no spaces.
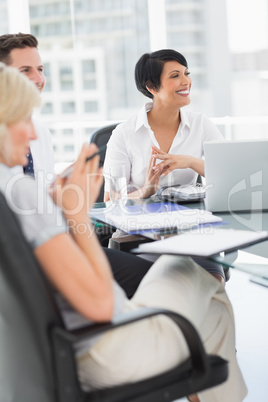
{"x":236,"y":174}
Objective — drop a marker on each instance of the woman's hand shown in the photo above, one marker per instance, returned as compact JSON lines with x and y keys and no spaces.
{"x":152,"y":178}
{"x":77,"y":193}
{"x":172,"y":162}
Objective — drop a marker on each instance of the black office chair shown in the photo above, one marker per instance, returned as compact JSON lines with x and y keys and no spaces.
{"x":37,"y":361}
{"x":101,"y":137}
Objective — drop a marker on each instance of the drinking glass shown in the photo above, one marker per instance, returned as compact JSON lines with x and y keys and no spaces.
{"x":118,"y":185}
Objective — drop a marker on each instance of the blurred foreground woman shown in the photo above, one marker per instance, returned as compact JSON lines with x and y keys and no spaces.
{"x":60,"y":231}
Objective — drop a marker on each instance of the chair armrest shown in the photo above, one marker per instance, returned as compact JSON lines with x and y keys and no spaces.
{"x":197,"y":351}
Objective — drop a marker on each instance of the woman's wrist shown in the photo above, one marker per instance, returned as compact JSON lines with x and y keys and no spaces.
{"x":80,"y":226}
{"x":140,"y":193}
{"x":77,"y":218}
{"x":190,"y":161}
{"x":196,"y":164}
{"x":147,"y":190}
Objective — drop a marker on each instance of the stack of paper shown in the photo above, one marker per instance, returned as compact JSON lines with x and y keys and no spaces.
{"x":204,"y":242}
{"x":182,"y":219}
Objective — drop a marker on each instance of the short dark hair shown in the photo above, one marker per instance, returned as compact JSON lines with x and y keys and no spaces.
{"x":149,"y":68}
{"x":8,"y":42}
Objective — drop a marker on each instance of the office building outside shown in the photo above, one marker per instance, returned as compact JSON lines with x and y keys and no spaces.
{"x":90,"y":48}
{"x":250,"y":93}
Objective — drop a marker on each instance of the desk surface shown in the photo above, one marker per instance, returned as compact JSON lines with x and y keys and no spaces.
{"x":256,"y":221}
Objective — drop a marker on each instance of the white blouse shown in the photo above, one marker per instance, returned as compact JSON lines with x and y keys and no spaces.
{"x":131,"y":141}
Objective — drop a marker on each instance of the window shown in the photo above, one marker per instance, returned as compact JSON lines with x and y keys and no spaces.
{"x":67,"y":131}
{"x":47,"y":108}
{"x":68,"y":107}
{"x":3,"y":15}
{"x":110,"y":35}
{"x":89,"y":74}
{"x":68,"y":148}
{"x":195,"y":60}
{"x":66,"y":77}
{"x":91,"y":106}
{"x":88,"y":66}
{"x":47,"y":73}
{"x":89,"y":83}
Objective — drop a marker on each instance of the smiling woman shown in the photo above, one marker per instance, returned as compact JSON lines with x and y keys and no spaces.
{"x":162,"y":145}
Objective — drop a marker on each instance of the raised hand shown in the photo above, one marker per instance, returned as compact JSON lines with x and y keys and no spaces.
{"x":152,"y":177}
{"x":172,"y":162}
{"x":77,"y":193}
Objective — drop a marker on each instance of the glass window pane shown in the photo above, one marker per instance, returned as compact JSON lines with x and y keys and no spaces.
{"x":47,"y":108}
{"x":67,"y":131}
{"x":88,"y":66}
{"x":66,"y":76}
{"x":89,"y":84}
{"x":68,"y":148}
{"x":91,"y":106}
{"x":68,"y":107}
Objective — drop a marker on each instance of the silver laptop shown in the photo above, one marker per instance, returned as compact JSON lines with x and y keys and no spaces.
{"x":236,"y":175}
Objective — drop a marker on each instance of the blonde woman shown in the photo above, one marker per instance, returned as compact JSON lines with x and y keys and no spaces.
{"x":74,"y":262}
{"x":20,"y":50}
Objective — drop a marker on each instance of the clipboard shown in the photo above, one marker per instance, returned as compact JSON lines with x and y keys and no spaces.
{"x":204,"y":242}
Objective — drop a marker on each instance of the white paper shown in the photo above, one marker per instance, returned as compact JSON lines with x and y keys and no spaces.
{"x":203,"y":242}
{"x":183,"y":219}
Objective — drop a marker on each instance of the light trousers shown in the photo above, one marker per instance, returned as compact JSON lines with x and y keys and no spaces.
{"x":154,"y":345}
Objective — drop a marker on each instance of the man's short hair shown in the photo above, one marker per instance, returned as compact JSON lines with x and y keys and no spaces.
{"x":20,"y":40}
{"x":149,"y":68}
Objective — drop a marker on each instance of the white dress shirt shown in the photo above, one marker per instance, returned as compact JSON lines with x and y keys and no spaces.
{"x":42,"y":150}
{"x":131,"y":141}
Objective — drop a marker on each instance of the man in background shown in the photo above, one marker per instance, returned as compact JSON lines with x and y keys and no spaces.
{"x":21,"y":51}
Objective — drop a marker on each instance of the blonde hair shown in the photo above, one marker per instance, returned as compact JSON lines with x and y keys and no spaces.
{"x":18,"y":97}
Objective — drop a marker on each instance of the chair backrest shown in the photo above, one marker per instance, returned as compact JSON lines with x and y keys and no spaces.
{"x":100,"y":137}
{"x":26,"y":366}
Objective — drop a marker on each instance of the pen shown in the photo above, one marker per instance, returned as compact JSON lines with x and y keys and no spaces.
{"x":69,"y":170}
